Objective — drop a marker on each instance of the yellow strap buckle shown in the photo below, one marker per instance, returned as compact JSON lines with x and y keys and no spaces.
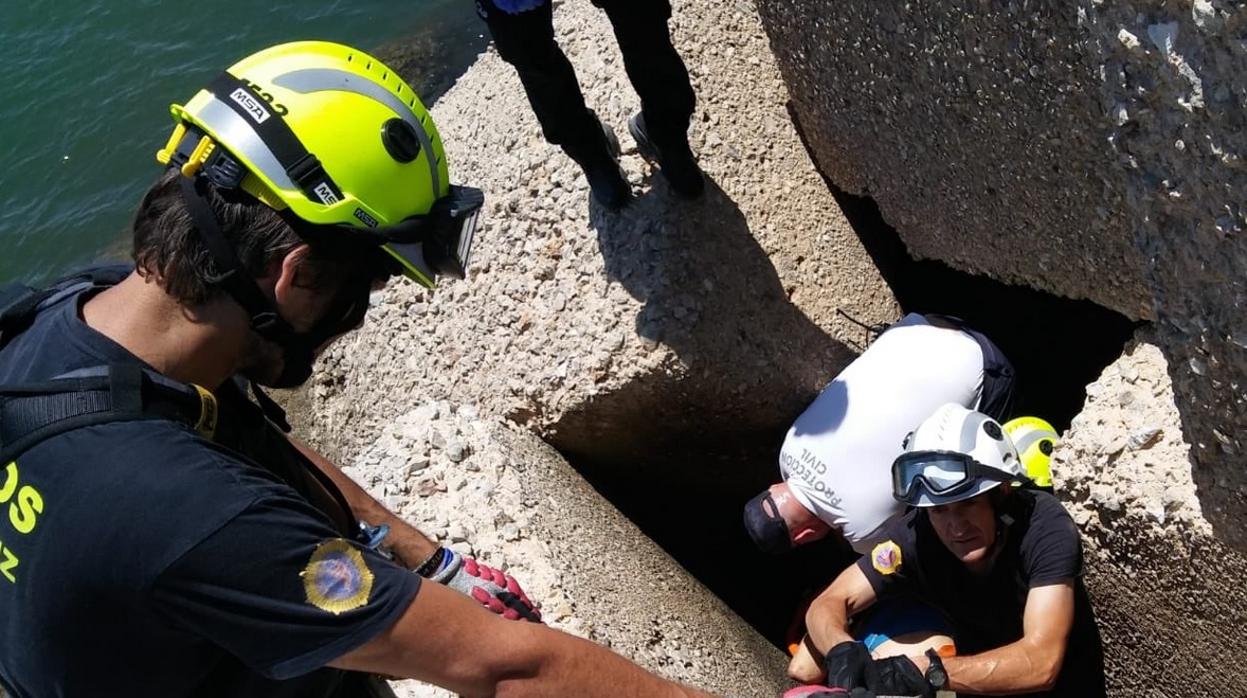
{"x":201,"y":153}
{"x":208,"y":412}
{"x":198,"y":157}
{"x":165,"y":154}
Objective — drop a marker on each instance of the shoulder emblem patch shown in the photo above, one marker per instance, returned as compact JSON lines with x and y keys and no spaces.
{"x":886,"y":557}
{"x":337,"y":578}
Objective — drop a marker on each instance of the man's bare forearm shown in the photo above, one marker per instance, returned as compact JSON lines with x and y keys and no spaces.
{"x":826,"y":624}
{"x":827,"y":620}
{"x":573,"y":666}
{"x":1031,"y":664}
{"x":408,"y":544}
{"x":445,"y":639}
{"x":1019,"y":667}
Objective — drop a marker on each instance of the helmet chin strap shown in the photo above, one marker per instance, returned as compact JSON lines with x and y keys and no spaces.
{"x":298,"y":348}
{"x":1003,"y":521}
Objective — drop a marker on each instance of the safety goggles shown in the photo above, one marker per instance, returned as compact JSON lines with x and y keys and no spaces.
{"x":439,"y":242}
{"x":423,"y":247}
{"x":941,"y":474}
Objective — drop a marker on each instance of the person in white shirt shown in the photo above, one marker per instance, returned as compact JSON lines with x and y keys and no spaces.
{"x":836,"y":460}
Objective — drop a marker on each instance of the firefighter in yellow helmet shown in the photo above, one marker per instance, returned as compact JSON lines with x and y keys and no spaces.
{"x":170,"y":539}
{"x":341,"y":147}
{"x":1035,"y":440}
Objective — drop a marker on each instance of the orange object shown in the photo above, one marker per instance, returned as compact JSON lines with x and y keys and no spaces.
{"x":796,"y":629}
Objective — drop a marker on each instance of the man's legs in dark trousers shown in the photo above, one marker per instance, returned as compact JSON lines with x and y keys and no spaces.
{"x":658,"y":75}
{"x":655,"y":68}
{"x":526,"y":41}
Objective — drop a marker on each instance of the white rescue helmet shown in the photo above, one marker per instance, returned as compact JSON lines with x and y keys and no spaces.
{"x":953,"y":455}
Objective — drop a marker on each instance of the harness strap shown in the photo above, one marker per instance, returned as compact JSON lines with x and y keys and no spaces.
{"x":20,"y":303}
{"x":34,"y":412}
{"x":300,"y":165}
{"x":272,"y":411}
{"x":996,"y":398}
{"x":234,"y":279}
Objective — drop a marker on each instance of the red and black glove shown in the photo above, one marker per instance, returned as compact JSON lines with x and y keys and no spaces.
{"x":825,"y":692}
{"x":493,"y":589}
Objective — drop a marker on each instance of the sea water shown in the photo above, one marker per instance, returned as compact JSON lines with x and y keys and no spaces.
{"x":88,"y":84}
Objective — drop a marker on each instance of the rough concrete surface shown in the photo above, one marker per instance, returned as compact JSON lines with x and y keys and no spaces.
{"x":488,"y":489}
{"x":613,"y":334}
{"x":1125,"y":451}
{"x":964,"y":120}
{"x":1093,"y":149}
{"x":1167,"y":593}
{"x":633,"y":339}
{"x":595,"y":328}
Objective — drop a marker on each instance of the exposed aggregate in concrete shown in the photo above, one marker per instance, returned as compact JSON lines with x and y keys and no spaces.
{"x":1165,"y":590}
{"x":1091,"y":149}
{"x":727,"y":304}
{"x":1125,"y":453}
{"x":490,"y":490}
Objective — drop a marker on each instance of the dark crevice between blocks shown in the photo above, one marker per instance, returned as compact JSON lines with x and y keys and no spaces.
{"x":1057,"y":345}
{"x":684,"y":480}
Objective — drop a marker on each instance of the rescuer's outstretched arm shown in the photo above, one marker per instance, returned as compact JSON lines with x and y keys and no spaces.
{"x":445,"y":639}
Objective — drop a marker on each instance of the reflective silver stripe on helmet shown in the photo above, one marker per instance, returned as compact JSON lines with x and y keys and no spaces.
{"x":325,"y":79}
{"x":1031,"y":438}
{"x":969,"y":436}
{"x":236,"y":135}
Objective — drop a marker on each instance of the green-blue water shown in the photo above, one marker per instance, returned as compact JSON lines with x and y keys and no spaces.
{"x":88,"y":84}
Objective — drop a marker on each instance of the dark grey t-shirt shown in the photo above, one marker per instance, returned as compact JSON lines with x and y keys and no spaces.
{"x":1042,"y":547}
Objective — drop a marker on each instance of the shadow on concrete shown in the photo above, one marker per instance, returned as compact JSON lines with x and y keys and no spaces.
{"x":680,"y":450}
{"x":686,"y":490}
{"x":1057,"y":345}
{"x":711,"y":294}
{"x":1210,"y":400}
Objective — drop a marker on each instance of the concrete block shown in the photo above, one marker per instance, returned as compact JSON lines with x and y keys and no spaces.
{"x":519,"y":506}
{"x":1090,"y":149}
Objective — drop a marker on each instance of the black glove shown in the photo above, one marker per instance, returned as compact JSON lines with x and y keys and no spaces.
{"x":849,"y":666}
{"x":899,"y":676}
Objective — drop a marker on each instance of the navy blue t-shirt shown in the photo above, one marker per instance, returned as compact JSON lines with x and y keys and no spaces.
{"x":140,"y":559}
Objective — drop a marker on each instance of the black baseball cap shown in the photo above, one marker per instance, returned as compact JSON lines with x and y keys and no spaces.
{"x":766,"y":527}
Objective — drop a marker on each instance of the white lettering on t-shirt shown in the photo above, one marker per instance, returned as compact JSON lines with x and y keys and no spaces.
{"x":838,"y":455}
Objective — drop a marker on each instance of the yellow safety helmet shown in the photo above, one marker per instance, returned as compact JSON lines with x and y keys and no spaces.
{"x":1035,"y":439}
{"x":333,"y":139}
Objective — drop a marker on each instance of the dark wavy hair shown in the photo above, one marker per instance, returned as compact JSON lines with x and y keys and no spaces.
{"x":168,"y":249}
